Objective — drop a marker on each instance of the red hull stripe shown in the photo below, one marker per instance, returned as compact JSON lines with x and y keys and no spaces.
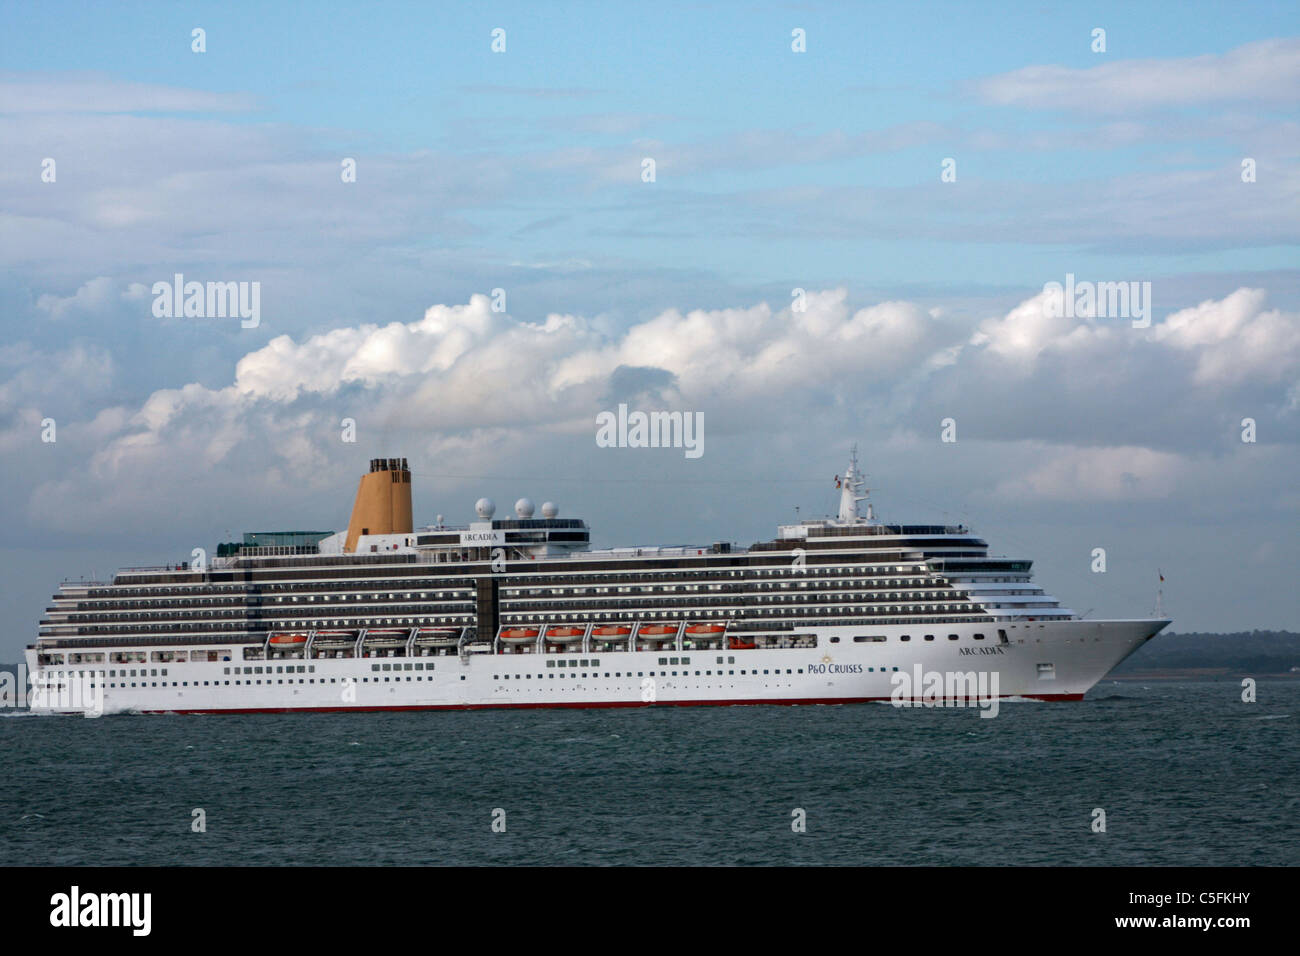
{"x":807,"y":702}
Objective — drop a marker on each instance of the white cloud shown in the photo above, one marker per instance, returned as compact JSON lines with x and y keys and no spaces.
{"x":475,"y":384}
{"x":1035,"y":326}
{"x":92,"y":297}
{"x":1236,"y":339}
{"x":100,"y":93}
{"x":1097,"y":474}
{"x":1267,"y":71}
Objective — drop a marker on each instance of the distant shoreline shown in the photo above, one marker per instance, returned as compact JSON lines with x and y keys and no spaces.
{"x":1198,"y":673}
{"x":1270,"y":654}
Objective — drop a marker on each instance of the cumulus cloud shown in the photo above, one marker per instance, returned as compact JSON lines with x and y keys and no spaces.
{"x":1036,"y":326}
{"x":474,"y":383}
{"x":1236,"y":339}
{"x":81,"y":370}
{"x":91,"y":297}
{"x":463,"y":366}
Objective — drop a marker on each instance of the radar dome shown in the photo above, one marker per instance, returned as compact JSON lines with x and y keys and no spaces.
{"x":549,"y":510}
{"x":485,"y":508}
{"x":524,"y":508}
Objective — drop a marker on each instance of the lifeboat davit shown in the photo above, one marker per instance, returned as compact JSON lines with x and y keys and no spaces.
{"x":612,"y":630}
{"x":519,"y":634}
{"x":388,"y":638}
{"x":288,"y":640}
{"x":334,"y":639}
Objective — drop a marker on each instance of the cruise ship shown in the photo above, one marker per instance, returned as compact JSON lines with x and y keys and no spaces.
{"x":522,"y":612}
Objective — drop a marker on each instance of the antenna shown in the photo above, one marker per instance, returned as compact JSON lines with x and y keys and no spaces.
{"x":853,"y":490}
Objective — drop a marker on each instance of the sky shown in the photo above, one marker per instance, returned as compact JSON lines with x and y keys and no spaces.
{"x":673,"y":208}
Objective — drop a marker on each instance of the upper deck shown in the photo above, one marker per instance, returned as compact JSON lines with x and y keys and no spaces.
{"x":525,"y":570}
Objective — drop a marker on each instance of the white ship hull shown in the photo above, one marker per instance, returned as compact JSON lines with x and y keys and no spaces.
{"x":1048,"y":660}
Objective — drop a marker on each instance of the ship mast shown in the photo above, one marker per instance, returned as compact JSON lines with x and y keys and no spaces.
{"x":852,"y":484}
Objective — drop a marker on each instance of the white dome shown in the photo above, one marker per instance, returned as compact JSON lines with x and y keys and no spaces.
{"x":485,"y":508}
{"x":524,"y":508}
{"x":549,"y":510}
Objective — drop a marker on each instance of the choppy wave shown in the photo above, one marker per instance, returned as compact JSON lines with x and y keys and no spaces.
{"x":668,"y":786}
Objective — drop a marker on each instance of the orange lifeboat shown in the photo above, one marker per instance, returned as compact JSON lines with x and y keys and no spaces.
{"x":288,"y":640}
{"x":564,"y":632}
{"x":657,"y":630}
{"x":738,"y":645}
{"x":612,"y":630}
{"x":519,"y":634}
{"x":705,"y":630}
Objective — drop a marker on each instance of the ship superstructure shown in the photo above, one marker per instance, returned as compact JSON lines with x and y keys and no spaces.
{"x":521,"y":611}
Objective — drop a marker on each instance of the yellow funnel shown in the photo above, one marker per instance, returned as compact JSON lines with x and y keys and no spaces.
{"x":383,"y":504}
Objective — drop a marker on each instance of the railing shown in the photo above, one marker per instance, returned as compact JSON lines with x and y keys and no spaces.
{"x":179,"y":566}
{"x":676,"y":551}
